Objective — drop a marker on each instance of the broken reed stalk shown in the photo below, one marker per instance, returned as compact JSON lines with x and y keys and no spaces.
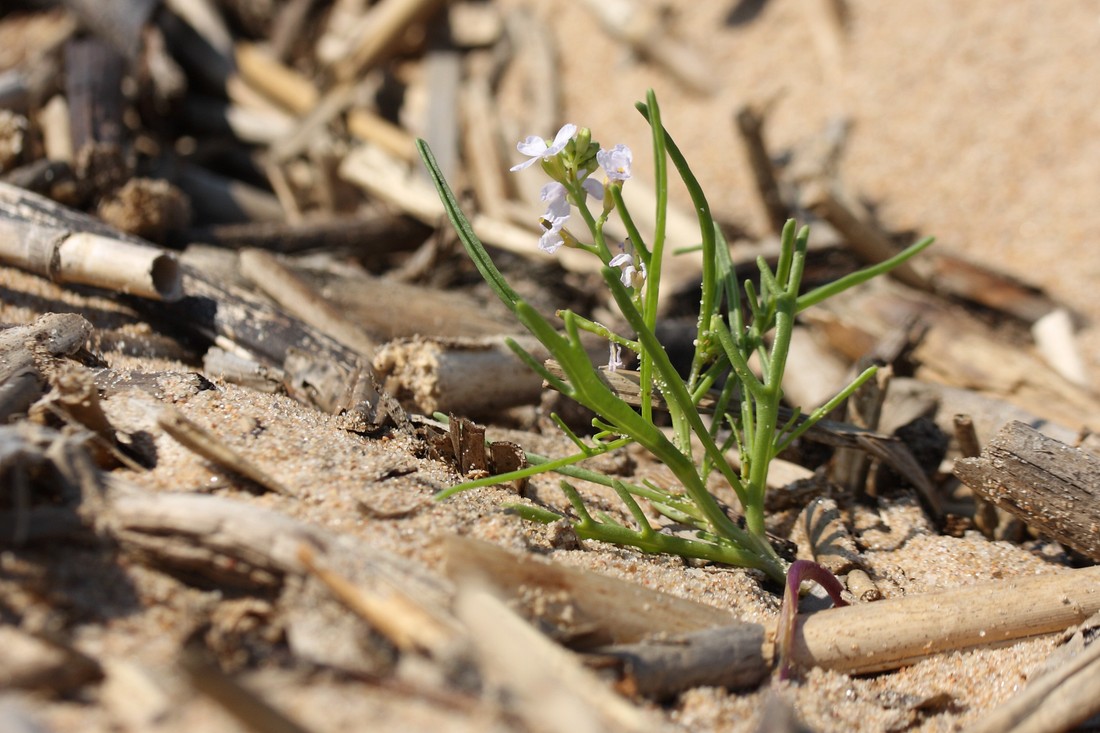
{"x":66,"y":246}
{"x":875,"y":637}
{"x":859,"y":639}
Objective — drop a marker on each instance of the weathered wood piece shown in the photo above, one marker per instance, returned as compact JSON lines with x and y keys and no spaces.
{"x":1051,"y":486}
{"x":726,"y":656}
{"x":69,"y":247}
{"x":859,"y":639}
{"x":978,"y":283}
{"x":548,"y":687}
{"x":317,"y":370}
{"x":373,"y":233}
{"x":873,"y":637}
{"x":298,"y":298}
{"x":389,"y":309}
{"x":408,"y":624}
{"x":265,"y":72}
{"x":866,"y":240}
{"x":462,"y":376}
{"x":25,"y":352}
{"x":575,"y":605}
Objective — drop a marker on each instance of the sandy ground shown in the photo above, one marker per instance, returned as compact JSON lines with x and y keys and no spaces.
{"x":971,"y":122}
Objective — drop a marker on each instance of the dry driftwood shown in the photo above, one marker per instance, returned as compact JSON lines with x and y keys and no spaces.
{"x":575,"y":605}
{"x":462,"y":376}
{"x":726,"y":656}
{"x":69,"y":247}
{"x":26,"y":353}
{"x":979,"y":284}
{"x":266,"y":73}
{"x":409,"y":625}
{"x":873,"y":637}
{"x":317,"y":370}
{"x":383,"y":231}
{"x":296,"y":296}
{"x":549,"y":688}
{"x":955,"y":350}
{"x":856,"y":639}
{"x":1051,"y":486}
{"x":864,"y":239}
{"x":389,"y":309}
{"x":244,"y":545}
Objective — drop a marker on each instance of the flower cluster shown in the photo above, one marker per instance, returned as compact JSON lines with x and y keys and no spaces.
{"x":570,"y":159}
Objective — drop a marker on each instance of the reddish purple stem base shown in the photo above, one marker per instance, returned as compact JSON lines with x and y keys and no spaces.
{"x":799,"y":572}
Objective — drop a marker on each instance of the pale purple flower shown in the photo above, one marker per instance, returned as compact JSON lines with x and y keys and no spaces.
{"x":615,"y":359}
{"x":557,"y":213}
{"x":551,"y":241}
{"x":593,"y":187}
{"x":536,"y":148}
{"x":633,"y":274}
{"x":616,"y":162}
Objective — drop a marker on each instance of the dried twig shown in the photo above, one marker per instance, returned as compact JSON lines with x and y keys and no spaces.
{"x":198,"y":439}
{"x":1051,"y":486}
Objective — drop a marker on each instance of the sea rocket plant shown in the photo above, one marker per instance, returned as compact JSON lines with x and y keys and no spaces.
{"x":736,"y":325}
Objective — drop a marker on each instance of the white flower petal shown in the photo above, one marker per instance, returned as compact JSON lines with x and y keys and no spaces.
{"x":614,"y":359}
{"x":620,"y":259}
{"x":533,"y":146}
{"x":525,"y":164}
{"x":565,"y":134}
{"x":628,"y":275}
{"x":552,"y":191}
{"x":594,"y":188}
{"x":557,"y":212}
{"x":551,"y":241}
